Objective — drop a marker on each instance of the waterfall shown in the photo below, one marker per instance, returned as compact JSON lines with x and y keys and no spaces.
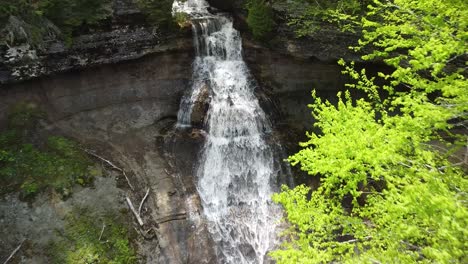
{"x":236,"y":172}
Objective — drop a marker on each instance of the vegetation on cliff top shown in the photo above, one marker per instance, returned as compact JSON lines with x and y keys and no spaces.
{"x":307,"y":16}
{"x":388,"y":192}
{"x":260,"y":19}
{"x":67,"y":15}
{"x":159,"y":12}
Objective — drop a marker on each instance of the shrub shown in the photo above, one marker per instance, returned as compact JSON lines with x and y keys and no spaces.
{"x":307,"y":16}
{"x":260,"y":19}
{"x":389,"y":192}
{"x":159,"y":12}
{"x":69,"y":15}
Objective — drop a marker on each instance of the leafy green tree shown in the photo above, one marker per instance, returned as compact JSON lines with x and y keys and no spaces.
{"x":69,"y":15}
{"x":308,"y":16}
{"x":260,"y":19}
{"x":388,"y":192}
{"x":74,"y":13}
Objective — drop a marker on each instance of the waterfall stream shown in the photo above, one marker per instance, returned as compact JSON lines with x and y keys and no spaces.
{"x":236,"y":171}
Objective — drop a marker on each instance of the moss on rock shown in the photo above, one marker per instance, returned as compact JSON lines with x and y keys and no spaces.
{"x":32,"y":163}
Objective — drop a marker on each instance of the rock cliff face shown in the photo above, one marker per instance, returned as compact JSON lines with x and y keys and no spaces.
{"x":126,"y":112}
{"x":288,"y":82}
{"x":125,"y":35}
{"x":118,"y":88}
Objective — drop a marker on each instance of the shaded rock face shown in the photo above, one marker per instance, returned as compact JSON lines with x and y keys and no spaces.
{"x":284,"y":90}
{"x":288,"y":82}
{"x":126,"y":112}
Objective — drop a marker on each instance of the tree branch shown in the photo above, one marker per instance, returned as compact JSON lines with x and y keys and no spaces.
{"x":112,"y":165}
{"x":143,"y":201}
{"x":137,"y":216}
{"x":13,"y":253}
{"x":102,"y":231}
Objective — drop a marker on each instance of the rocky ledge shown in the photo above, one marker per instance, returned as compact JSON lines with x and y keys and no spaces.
{"x":125,"y":35}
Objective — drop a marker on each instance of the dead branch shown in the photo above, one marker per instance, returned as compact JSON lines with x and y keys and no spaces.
{"x":137,"y":216}
{"x":112,"y":165}
{"x":411,"y":246}
{"x":14,"y":252}
{"x":128,"y":180}
{"x":148,"y":234}
{"x":404,"y":164}
{"x":102,"y":231}
{"x":143,"y":201}
{"x":357,"y":240}
{"x":169,"y":218}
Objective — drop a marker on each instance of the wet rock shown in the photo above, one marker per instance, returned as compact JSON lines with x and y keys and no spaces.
{"x":200,"y":107}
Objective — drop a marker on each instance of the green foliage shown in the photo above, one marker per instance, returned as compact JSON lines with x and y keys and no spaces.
{"x":159,"y":12}
{"x":384,"y":192}
{"x":388,"y":193}
{"x":68,"y":15}
{"x":260,"y":19}
{"x":307,"y":16}
{"x":182,"y":19}
{"x":13,"y":7}
{"x":29,"y":187}
{"x":82,"y":242}
{"x":24,"y":115}
{"x":32,"y":165}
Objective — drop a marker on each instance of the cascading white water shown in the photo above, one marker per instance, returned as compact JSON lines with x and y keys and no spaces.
{"x":236,"y":171}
